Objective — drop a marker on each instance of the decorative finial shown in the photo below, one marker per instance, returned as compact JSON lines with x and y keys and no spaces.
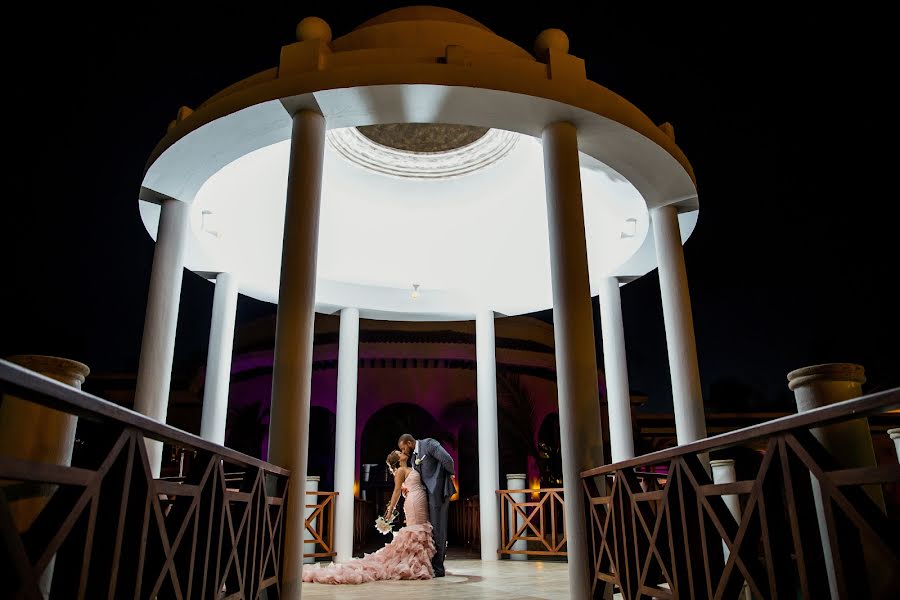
{"x":551,"y":39}
{"x":668,"y":129}
{"x":313,"y":28}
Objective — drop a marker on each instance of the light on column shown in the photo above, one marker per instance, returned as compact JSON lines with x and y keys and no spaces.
{"x":415,"y":293}
{"x":629,"y":230}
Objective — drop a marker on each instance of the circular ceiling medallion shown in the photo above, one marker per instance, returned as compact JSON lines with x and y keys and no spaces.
{"x":423,"y":137}
{"x":422,"y":151}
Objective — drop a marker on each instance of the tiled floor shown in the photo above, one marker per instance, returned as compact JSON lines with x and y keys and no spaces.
{"x":505,"y":579}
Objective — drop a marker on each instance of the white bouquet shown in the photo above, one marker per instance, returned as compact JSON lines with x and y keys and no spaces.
{"x":384,"y":526}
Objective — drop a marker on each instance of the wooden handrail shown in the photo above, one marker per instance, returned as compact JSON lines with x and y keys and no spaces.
{"x":36,"y":388}
{"x":827,"y":415}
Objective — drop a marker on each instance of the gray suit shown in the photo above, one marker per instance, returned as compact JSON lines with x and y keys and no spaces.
{"x":436,"y":466}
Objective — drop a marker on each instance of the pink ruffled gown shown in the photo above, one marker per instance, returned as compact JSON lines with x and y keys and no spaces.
{"x":408,"y":556}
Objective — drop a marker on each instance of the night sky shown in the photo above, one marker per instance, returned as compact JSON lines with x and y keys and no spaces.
{"x":793,"y":262}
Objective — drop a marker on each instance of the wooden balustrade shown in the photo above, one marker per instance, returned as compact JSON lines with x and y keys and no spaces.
{"x":538,"y":521}
{"x":107,"y":528}
{"x":661,"y":535}
{"x":320,"y":525}
{"x":464,"y":524}
{"x":363,"y":522}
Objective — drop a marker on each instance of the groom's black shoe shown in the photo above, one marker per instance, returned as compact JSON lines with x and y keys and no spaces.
{"x":438,"y":573}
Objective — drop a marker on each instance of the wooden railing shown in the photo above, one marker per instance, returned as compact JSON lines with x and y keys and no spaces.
{"x":108,"y":529}
{"x":363,"y":522}
{"x":532,"y":522}
{"x":663,"y":536}
{"x":464,"y":524}
{"x":320,"y":525}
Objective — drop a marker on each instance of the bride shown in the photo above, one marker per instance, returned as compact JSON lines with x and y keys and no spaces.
{"x":408,"y":556}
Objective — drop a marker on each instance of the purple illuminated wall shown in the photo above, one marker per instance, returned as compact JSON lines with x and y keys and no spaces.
{"x":436,"y":376}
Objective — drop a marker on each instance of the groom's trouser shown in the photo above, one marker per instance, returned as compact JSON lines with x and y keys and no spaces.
{"x":437,"y":512}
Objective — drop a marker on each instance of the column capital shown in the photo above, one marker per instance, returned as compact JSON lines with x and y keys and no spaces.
{"x":561,"y":124}
{"x":298,"y":106}
{"x":214,"y":274}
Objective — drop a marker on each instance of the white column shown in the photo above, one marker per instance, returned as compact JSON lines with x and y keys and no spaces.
{"x":573,"y":330}
{"x":895,"y":437}
{"x":615,"y":367}
{"x":687,"y":395}
{"x":514,"y":520}
{"x":158,"y":343}
{"x":488,"y":436}
{"x":312,"y":485}
{"x":723,"y":472}
{"x":292,"y":371}
{"x":218,"y":359}
{"x":345,"y":434}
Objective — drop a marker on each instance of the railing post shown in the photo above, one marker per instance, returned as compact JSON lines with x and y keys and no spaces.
{"x":516,"y":481}
{"x":895,"y":437}
{"x":36,"y":433}
{"x":849,"y":442}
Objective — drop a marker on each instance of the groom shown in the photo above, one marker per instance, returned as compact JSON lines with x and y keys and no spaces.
{"x":435,"y":466}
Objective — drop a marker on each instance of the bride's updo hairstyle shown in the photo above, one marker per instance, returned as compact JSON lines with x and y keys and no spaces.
{"x":393,"y":460}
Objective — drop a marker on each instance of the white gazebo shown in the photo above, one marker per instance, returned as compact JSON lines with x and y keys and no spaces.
{"x":421,"y":168}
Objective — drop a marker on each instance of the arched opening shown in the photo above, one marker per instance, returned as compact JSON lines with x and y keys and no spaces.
{"x":380,"y":434}
{"x":379,"y":437}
